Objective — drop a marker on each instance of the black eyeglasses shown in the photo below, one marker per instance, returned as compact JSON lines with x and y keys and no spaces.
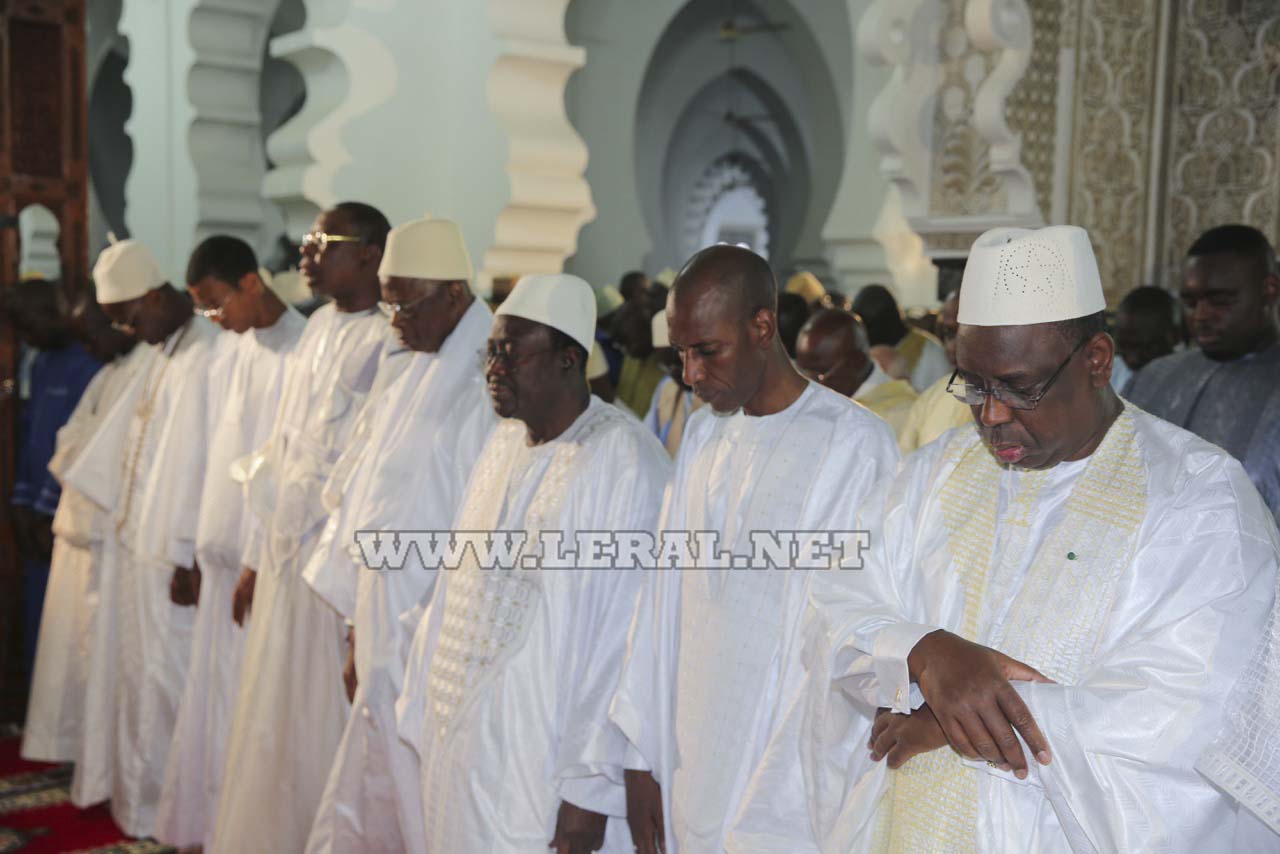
{"x":972,"y":395}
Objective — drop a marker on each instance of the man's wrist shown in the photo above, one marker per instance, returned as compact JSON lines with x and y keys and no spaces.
{"x":917,"y":657}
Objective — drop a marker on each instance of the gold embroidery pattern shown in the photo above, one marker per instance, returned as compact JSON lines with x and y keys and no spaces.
{"x":487,"y":613}
{"x":931,"y":804}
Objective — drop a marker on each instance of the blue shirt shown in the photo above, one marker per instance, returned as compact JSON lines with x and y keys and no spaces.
{"x":58,"y":379}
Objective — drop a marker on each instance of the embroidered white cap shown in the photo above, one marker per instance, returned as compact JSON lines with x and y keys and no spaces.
{"x":1017,"y":276}
{"x":427,"y":249}
{"x":125,"y":270}
{"x":658,"y":328}
{"x":558,"y":300}
{"x":597,"y":364}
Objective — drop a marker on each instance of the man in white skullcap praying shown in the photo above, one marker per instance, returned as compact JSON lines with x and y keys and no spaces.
{"x":508,"y":685}
{"x":424,"y":425}
{"x":148,"y":578}
{"x":1051,"y":615}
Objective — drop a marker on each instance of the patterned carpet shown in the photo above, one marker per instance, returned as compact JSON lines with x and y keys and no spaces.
{"x":37,"y":816}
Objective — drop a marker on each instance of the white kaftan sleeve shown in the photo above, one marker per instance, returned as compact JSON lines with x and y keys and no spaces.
{"x":593,"y":751}
{"x":1125,"y":739}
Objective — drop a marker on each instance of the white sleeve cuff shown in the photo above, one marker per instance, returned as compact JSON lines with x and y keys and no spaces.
{"x":635,"y":760}
{"x":597,"y":794}
{"x":889,"y":661}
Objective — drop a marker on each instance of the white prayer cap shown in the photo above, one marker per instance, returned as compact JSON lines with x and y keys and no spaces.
{"x":125,"y":271}
{"x":658,"y":326}
{"x":1016,"y":276}
{"x":608,"y":300}
{"x":558,"y":300}
{"x":427,"y":249}
{"x":597,"y":364}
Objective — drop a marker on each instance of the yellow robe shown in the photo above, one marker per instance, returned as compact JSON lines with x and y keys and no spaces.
{"x":934,"y":413}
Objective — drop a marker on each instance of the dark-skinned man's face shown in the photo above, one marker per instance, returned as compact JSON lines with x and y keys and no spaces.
{"x":1228,"y":302}
{"x":523,"y":368}
{"x":429,"y":310}
{"x":827,"y":359}
{"x":236,"y":306}
{"x":1142,"y":338}
{"x":96,"y":334}
{"x":144,"y":315}
{"x":724,"y":349}
{"x":1024,"y":358}
{"x":330,"y":272}
{"x":38,"y":317}
{"x":632,"y":330}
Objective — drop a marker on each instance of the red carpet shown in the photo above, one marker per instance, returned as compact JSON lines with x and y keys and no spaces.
{"x":36,"y":816}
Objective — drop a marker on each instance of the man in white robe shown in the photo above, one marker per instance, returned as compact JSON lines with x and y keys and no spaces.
{"x":423,"y":434}
{"x":291,"y":709}
{"x":710,"y":663}
{"x":142,"y":633}
{"x":1065,"y":597}
{"x":55,"y":712}
{"x":223,"y":278}
{"x":507,"y":691}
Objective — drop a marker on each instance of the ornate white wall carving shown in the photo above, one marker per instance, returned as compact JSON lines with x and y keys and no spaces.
{"x":550,"y":199}
{"x":347,"y":70}
{"x":1114,"y":134}
{"x":1224,"y":139}
{"x":1032,"y":107}
{"x":224,"y":137}
{"x":940,"y":121}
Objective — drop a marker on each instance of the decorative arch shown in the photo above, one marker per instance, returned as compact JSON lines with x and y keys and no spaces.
{"x":656,"y":59}
{"x":109,"y":103}
{"x":732,"y":172}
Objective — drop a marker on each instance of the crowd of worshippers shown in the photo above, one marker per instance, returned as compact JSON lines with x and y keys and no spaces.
{"x":1058,"y":636}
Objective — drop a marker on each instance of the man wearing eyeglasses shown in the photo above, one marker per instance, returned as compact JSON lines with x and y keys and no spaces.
{"x":247,"y":370}
{"x":507,"y":691}
{"x":425,"y":424}
{"x":148,"y":577}
{"x":291,"y":708}
{"x":1053,"y":610}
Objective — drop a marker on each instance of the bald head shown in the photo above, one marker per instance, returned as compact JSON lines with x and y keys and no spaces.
{"x":842,"y":327}
{"x":741,"y":278}
{"x":722,"y":316}
{"x":832,"y":349}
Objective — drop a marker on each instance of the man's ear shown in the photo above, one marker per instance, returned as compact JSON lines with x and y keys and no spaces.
{"x":372,"y":255}
{"x":251,"y":282}
{"x":764,"y":327}
{"x":1100,"y":353}
{"x":1270,"y":288}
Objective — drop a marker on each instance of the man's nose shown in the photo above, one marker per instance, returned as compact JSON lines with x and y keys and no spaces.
{"x":994,"y":412}
{"x":691,"y":370}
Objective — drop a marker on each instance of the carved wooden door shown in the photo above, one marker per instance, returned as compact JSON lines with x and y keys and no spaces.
{"x":42,"y":161}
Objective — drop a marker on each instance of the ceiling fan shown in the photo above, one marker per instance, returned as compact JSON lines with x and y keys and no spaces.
{"x":729,"y":33}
